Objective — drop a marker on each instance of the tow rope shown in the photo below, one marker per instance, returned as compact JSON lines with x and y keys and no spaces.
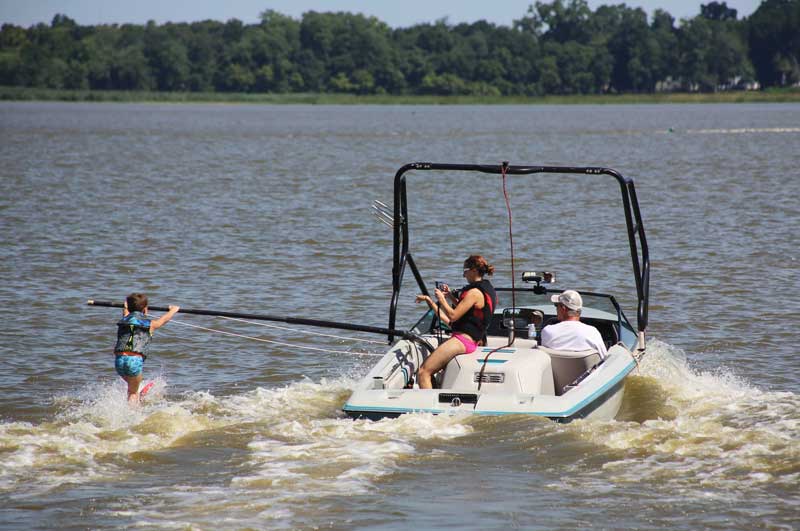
{"x":290,"y":346}
{"x":503,"y":171}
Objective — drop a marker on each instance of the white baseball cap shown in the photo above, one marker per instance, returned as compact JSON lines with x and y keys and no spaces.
{"x":569,"y":298}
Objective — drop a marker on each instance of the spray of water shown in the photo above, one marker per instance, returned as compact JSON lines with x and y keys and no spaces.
{"x":694,"y":431}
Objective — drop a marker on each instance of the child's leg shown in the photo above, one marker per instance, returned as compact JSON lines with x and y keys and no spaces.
{"x":130,"y":369}
{"x":133,"y":387}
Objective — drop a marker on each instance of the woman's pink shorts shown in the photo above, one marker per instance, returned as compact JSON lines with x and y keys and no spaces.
{"x":468,"y":343}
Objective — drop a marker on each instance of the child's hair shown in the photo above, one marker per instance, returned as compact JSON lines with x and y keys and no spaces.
{"x":137,"y":302}
{"x":478,"y":262}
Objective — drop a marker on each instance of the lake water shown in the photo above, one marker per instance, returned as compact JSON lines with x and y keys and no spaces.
{"x":266,"y":209}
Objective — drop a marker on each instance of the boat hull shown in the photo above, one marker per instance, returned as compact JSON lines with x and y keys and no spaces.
{"x":598,"y":396}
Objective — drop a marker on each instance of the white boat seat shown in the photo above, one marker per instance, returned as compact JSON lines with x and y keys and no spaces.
{"x":568,"y":365}
{"x":520,"y":342}
{"x":524,"y":371}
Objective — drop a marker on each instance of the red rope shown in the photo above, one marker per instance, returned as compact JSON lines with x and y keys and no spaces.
{"x":503,"y":169}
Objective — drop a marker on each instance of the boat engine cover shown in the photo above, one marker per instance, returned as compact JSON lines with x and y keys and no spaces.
{"x":525,"y":371}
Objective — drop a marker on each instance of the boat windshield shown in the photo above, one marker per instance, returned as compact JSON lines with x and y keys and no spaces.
{"x":528,"y":297}
{"x":598,"y":309}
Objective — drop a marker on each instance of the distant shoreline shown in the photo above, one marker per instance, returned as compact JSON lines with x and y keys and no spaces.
{"x":115,"y":96}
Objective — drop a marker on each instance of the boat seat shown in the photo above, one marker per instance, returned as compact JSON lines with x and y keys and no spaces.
{"x":520,"y":370}
{"x":607,"y":330}
{"x":520,"y":342}
{"x":568,"y":365}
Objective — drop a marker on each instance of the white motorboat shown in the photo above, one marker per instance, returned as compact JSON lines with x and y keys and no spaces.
{"x":512,"y":373}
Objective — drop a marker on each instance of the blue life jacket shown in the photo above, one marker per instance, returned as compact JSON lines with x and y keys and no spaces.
{"x":133,"y":334}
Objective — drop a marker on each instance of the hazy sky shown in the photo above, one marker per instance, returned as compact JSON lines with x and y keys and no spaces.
{"x":396,"y":13}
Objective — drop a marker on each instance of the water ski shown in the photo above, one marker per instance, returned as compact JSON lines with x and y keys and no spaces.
{"x":146,"y":389}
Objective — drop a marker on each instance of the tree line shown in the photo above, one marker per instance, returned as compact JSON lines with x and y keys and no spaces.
{"x":557,"y":47}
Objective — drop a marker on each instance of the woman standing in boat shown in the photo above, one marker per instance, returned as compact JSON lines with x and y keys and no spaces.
{"x":468,"y":320}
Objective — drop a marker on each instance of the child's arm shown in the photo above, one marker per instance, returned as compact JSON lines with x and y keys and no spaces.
{"x":161,"y":321}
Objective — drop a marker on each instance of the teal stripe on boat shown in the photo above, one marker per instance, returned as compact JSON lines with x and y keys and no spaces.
{"x":566,"y":413}
{"x":580,"y":405}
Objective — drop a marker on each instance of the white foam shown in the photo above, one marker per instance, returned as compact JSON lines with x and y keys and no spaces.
{"x":94,"y":422}
{"x":741,"y":130}
{"x":308,"y":444}
{"x":722,"y":426}
{"x":721,"y":432}
{"x":301,"y":442}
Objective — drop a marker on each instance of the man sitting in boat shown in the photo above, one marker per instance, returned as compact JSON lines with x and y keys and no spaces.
{"x":469,"y":320}
{"x":570,"y":333}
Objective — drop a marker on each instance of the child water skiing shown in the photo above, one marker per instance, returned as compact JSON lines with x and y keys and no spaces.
{"x":134,"y":333}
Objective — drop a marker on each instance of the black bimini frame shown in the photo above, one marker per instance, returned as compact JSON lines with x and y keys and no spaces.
{"x":633,"y":221}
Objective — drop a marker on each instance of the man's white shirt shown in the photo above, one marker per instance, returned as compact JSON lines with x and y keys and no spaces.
{"x":574,"y":336}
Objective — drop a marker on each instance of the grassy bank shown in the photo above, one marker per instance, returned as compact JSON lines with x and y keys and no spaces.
{"x":36,"y":94}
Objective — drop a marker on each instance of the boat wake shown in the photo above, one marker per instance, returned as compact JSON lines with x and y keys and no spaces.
{"x":691,"y":432}
{"x":742,"y":130}
{"x":296,"y":441}
{"x":709,"y":433}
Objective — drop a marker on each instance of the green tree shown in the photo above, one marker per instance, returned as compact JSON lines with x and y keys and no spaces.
{"x":98,"y":50}
{"x":549,"y":81}
{"x":204,"y":43}
{"x":717,"y":11}
{"x":632,"y":49}
{"x":12,"y":39}
{"x":130,"y":69}
{"x":774,"y":42}
{"x":565,"y":21}
{"x":695,"y":50}
{"x":665,"y":47}
{"x":276,"y":51}
{"x":557,"y":46}
{"x":713,"y":49}
{"x":167,"y":57}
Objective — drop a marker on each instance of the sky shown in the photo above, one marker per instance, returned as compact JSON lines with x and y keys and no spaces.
{"x":396,"y":13}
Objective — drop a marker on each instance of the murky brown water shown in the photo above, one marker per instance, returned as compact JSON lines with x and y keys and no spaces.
{"x":267,"y":209}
